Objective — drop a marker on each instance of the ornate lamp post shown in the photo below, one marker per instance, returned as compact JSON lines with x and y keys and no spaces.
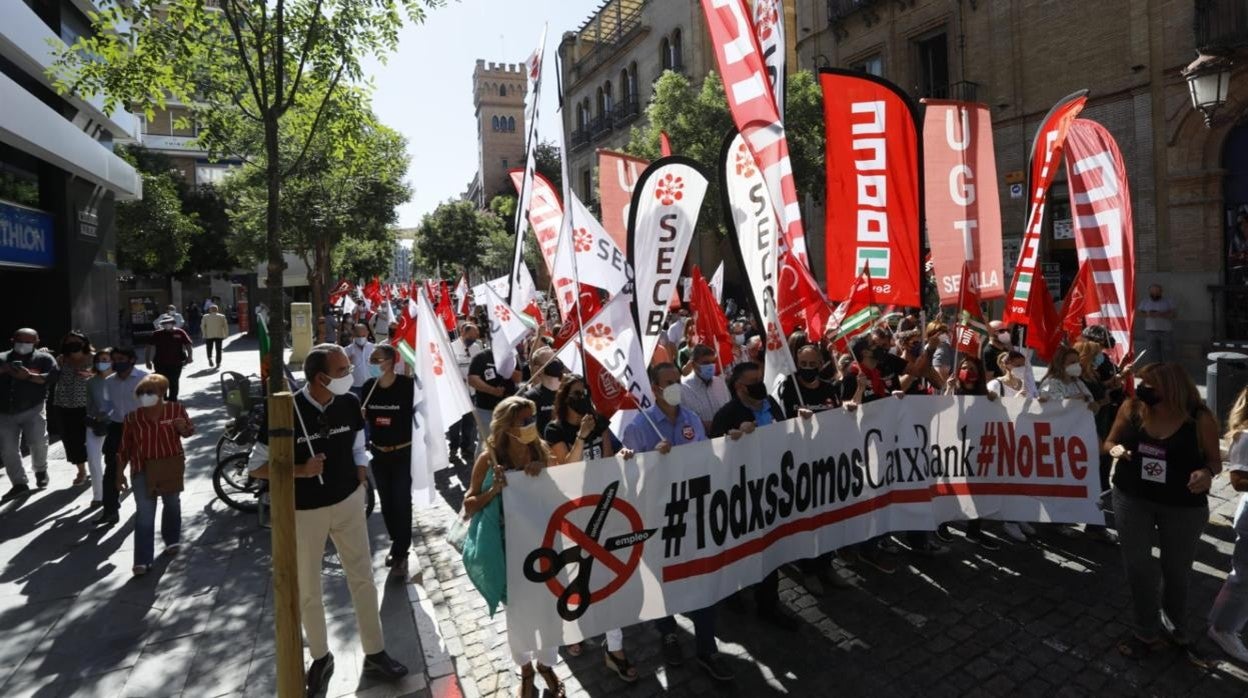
{"x":1208,"y":80}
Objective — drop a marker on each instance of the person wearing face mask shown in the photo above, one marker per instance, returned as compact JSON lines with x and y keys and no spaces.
{"x":462,"y":436}
{"x":1158,"y":313}
{"x":97,"y":421}
{"x":489,"y":388}
{"x":1012,"y":371}
{"x":151,"y":444}
{"x":358,"y":352}
{"x":1165,"y":441}
{"x":671,"y":424}
{"x":388,"y":399}
{"x":806,"y":389}
{"x":749,"y":408}
{"x":1091,"y":358}
{"x":24,"y":374}
{"x":1061,"y":381}
{"x":69,"y":398}
{"x":701,"y":390}
{"x":512,"y":446}
{"x":120,"y":387}
{"x":969,"y":380}
{"x":331,"y":467}
{"x":548,"y":377}
{"x":942,"y":357}
{"x":999,"y":342}
{"x":169,"y":349}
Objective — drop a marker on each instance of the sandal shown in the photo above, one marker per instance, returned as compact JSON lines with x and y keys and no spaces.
{"x":575,"y":649}
{"x":621,"y":666}
{"x":80,"y":480}
{"x":1138,"y":648}
{"x":553,"y":684}
{"x":526,"y":681}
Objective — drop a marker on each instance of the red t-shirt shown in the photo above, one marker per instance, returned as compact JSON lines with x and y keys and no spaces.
{"x":144,"y":437}
{"x":170,"y":346}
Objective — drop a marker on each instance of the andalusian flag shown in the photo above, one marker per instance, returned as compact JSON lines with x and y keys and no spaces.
{"x":262,"y":333}
{"x":858,"y":314}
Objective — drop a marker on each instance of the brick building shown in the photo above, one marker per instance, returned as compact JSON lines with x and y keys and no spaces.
{"x":1019,"y":57}
{"x":498,"y":93}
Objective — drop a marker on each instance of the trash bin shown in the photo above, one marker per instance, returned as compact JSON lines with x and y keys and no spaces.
{"x":1226,"y":375}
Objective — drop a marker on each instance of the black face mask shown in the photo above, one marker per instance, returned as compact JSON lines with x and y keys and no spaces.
{"x":1148,"y":395}
{"x":554,"y":369}
{"x":807,"y":374}
{"x":469,"y":342}
{"x":756,"y":391}
{"x":880,"y":354}
{"x":582,"y":405}
{"x":1155,"y":296}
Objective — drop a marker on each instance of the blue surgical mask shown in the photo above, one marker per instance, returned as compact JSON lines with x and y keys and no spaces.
{"x":706,"y":371}
{"x":375,"y":370}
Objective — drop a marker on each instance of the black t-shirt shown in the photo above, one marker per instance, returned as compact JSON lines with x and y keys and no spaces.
{"x":821,"y":397}
{"x":991,"y":353}
{"x":482,"y":366}
{"x":332,"y":432}
{"x":1159,"y":469}
{"x":558,"y":432}
{"x":389,"y":411}
{"x":544,"y":398}
{"x":892,"y":368}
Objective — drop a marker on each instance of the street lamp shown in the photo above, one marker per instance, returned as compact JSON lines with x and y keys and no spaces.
{"x":1208,"y":79}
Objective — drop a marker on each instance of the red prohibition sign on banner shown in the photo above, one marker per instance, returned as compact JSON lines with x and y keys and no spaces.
{"x":544,"y":564}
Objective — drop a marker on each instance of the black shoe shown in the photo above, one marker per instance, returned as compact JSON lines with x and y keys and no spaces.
{"x":944,"y":534}
{"x":779,"y":619}
{"x":16,"y":491}
{"x":383,"y":665}
{"x":672,"y":655}
{"x":716,"y":667}
{"x":108,"y":519}
{"x":41,"y":480}
{"x":319,"y":673}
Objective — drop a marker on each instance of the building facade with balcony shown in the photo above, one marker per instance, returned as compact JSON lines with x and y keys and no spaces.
{"x":59,"y":182}
{"x":1188,"y":182}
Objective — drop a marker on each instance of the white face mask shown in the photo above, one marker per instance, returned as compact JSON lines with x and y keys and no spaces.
{"x":671,"y":394}
{"x":1018,"y":372}
{"x":339,"y":386}
{"x":148,"y":400}
{"x":23,"y":347}
{"x":1074,"y":370}
{"x":361,"y":341}
{"x":944,"y":339}
{"x":738,"y":338}
{"x":1003,"y":337}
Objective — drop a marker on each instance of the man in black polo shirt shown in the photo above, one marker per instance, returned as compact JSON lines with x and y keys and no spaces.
{"x":330,"y":471}
{"x":542,"y":393}
{"x":490,"y":389}
{"x":751,"y":407}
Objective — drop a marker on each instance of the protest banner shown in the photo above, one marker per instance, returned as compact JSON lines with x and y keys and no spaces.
{"x":610,"y":543}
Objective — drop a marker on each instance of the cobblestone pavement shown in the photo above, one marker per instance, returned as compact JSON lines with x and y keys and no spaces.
{"x":1040,"y":619}
{"x":73,"y":621}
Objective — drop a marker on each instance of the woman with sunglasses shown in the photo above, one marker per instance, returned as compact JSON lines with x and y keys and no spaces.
{"x":576,"y":433}
{"x":153,"y":433}
{"x":69,"y":399}
{"x":513,"y":445}
{"x":388,"y":399}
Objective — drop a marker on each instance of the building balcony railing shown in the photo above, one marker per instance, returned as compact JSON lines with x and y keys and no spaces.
{"x":626,"y":111}
{"x":962,"y":91}
{"x":580,"y":138}
{"x":840,"y":9}
{"x":601,"y":126}
{"x":1221,"y":24}
{"x":615,"y":24}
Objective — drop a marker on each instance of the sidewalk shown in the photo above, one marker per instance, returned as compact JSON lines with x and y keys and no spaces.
{"x":75,"y":622}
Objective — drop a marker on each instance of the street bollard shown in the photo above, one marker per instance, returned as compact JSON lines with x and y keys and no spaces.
{"x":285,"y":564}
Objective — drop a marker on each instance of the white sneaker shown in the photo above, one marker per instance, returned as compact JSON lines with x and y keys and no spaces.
{"x":1027,"y":528}
{"x":1231,"y":644}
{"x":1014,"y":531}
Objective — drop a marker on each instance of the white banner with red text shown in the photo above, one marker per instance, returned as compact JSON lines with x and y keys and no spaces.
{"x":612,"y":542}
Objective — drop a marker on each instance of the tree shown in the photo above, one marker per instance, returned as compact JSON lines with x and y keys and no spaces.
{"x":244,"y":66}
{"x":363,"y":258}
{"x":455,"y":235}
{"x":154,"y":236}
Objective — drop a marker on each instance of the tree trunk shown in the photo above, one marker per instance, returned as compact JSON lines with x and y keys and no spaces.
{"x":316,"y":288}
{"x":273,"y":230}
{"x":320,"y":269}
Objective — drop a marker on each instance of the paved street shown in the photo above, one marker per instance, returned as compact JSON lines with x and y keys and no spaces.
{"x":1040,"y":619}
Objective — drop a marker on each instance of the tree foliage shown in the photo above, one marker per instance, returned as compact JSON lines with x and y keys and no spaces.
{"x":154,"y":236}
{"x":457,"y":236}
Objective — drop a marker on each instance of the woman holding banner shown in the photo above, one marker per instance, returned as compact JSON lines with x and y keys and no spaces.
{"x":512,"y":446}
{"x":1061,"y":382}
{"x":1165,"y":441}
{"x":969,"y":380}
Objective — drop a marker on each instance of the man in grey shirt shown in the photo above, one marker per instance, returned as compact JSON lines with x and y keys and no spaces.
{"x":1158,"y":313}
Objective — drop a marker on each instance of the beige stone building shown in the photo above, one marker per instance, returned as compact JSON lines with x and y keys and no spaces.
{"x":498,"y":93}
{"x":1021,"y":56}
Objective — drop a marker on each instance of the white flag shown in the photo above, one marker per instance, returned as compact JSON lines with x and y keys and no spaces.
{"x":611,"y":338}
{"x":508,"y":327}
{"x":441,"y":400}
{"x":570,"y":356}
{"x":599,"y":261}
{"x":717,"y":283}
{"x":778,"y":363}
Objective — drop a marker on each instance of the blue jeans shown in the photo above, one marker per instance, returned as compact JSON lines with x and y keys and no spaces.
{"x":145,"y":520}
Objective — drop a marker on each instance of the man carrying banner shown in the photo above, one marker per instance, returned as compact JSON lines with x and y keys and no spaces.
{"x":752,"y":407}
{"x":663,"y":426}
{"x":702,"y":391}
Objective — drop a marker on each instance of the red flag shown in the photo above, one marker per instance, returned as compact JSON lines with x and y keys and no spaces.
{"x":533,"y":311}
{"x":665,"y":146}
{"x":709,"y":320}
{"x":971,"y":328}
{"x":444,"y":310}
{"x":858,"y":314}
{"x":589,"y":307}
{"x":404,"y":329}
{"x":1080,"y":303}
{"x":1044,"y":334}
{"x":342,"y":289}
{"x":372,"y":291}
{"x":802,"y":298}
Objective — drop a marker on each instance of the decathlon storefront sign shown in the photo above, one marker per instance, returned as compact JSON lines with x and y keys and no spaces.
{"x":25,"y":237}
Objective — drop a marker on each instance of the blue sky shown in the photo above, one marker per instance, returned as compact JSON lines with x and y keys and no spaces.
{"x":424,"y":90}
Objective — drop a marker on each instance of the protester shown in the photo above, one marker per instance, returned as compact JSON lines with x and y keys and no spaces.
{"x":701,"y":389}
{"x":216,"y":328}
{"x":169,"y":349}
{"x":865,"y":383}
{"x":490,"y":388}
{"x":1160,"y":493}
{"x":171,"y":311}
{"x":330,"y":477}
{"x":120,"y":387}
{"x":379,"y":324}
{"x":358,"y":353}
{"x":24,"y":374}
{"x":69,"y":397}
{"x":1011,"y":375}
{"x":462,"y":436}
{"x":151,"y":444}
{"x":805,"y":389}
{"x":969,"y":380}
{"x":194,"y":320}
{"x":1061,"y":381}
{"x":388,"y":400}
{"x":1158,"y":313}
{"x":513,"y":445}
{"x":942,"y":355}
{"x":999,"y":342}
{"x":547,"y":382}
{"x":664,"y":425}
{"x":1091,"y":359}
{"x":1229,"y":613}
{"x":97,"y":422}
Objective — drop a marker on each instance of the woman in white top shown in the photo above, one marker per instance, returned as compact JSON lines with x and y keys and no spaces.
{"x":1230,"y":609}
{"x":1013,"y":367}
{"x":1062,"y":380}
